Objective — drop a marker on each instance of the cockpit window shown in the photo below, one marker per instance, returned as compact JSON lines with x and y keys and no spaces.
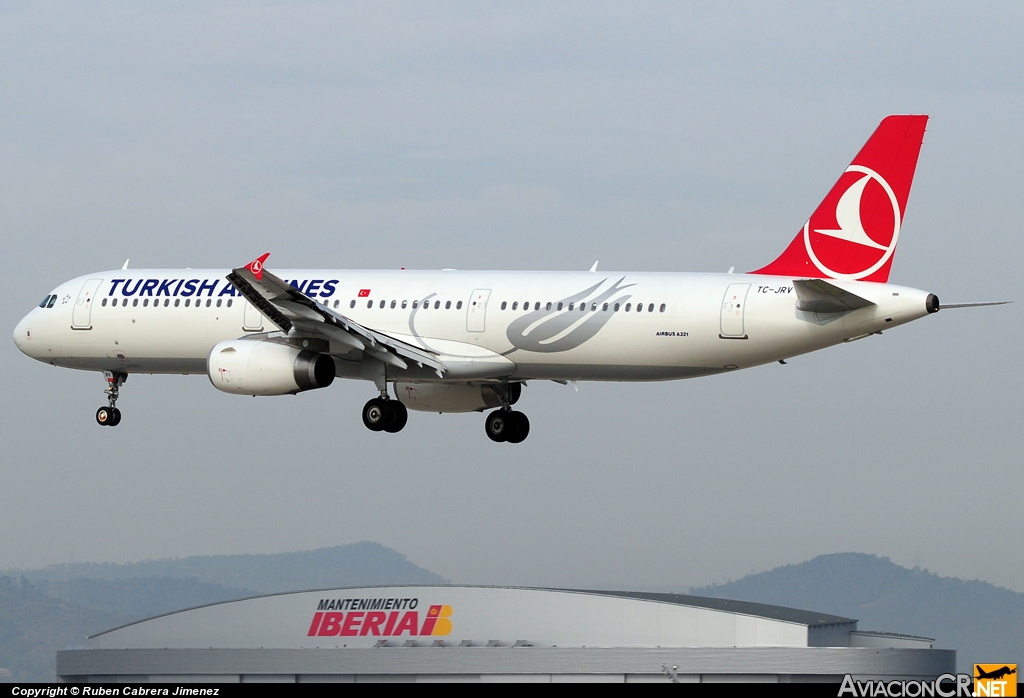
{"x":46,"y":300}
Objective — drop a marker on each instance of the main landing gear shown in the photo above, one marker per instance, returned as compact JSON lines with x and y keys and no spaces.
{"x":384,"y":414}
{"x":110,"y":416}
{"x":506,"y":424}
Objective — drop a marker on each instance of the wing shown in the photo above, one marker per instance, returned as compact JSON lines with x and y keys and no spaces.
{"x":290,"y":309}
{"x":819,"y":296}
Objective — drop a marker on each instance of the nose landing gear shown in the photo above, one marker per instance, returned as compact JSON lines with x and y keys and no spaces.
{"x":110,"y":416}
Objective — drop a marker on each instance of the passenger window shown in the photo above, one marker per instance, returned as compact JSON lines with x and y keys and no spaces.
{"x":458,"y":306}
{"x":571,"y":305}
{"x":176,"y":302}
{"x":604,"y":308}
{"x":616,"y":308}
{"x":145,"y":303}
{"x":650,"y":308}
{"x":526,"y":305}
{"x":382,"y":304}
{"x":218,"y":302}
{"x":403,"y":305}
{"x":369,"y":304}
{"x":504,"y":304}
{"x":335,"y":303}
{"x":639,"y":307}
{"x":104,"y":303}
{"x":415,"y":304}
{"x":187,"y":301}
{"x":628,"y":306}
{"x":583,"y":307}
{"x":229,"y":302}
{"x":437,"y":305}
{"x":135,"y":302}
{"x":515,"y":305}
{"x":393,"y":304}
{"x":548,"y":306}
{"x":662,"y":308}
{"x":447,"y":305}
{"x":536,"y":306}
{"x":352,"y":304}
{"x":594,"y":308}
{"x":559,"y":306}
{"x":207,"y":302}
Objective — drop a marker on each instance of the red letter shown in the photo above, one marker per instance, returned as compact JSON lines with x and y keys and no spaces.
{"x":331,"y":624}
{"x":430,"y":620}
{"x":352,"y":623}
{"x":410,"y":621}
{"x":317,"y":617}
{"x":372,"y":622}
{"x":392,"y":617}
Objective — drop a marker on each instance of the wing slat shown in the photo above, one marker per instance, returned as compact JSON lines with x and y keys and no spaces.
{"x":287,"y":307}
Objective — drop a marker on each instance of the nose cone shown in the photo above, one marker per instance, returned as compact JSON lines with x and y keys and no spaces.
{"x":23,"y":336}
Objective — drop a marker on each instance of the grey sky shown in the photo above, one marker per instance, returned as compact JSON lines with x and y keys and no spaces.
{"x":648,"y":136}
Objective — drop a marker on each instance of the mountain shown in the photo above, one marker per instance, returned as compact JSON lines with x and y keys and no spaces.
{"x":981,"y":621}
{"x":33,"y":626}
{"x":357,"y":564}
{"x":60,"y":605}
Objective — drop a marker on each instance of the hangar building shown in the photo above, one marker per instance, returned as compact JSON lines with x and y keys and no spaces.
{"x":466,"y":633}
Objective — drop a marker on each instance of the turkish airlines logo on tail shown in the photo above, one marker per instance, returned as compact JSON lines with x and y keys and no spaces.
{"x":862,"y":234}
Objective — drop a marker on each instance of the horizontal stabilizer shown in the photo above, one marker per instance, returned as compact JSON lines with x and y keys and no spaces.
{"x":819,"y":296}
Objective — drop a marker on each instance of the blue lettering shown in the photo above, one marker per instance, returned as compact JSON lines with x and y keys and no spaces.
{"x":210,"y":285}
{"x":148,"y":287}
{"x":178,"y":287}
{"x":295,"y":284}
{"x":190,"y":287}
{"x":329,"y":288}
{"x":131,"y":292}
{"x":165,"y":287}
{"x":228,"y":290}
{"x":114,"y":284}
{"x":313,"y":287}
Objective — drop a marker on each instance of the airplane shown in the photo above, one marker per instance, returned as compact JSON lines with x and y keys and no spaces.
{"x":468,"y":341}
{"x":996,"y":674}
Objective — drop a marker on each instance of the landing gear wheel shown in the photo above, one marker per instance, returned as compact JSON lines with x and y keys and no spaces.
{"x":498,"y":425}
{"x":117,"y":417}
{"x":401,"y":416}
{"x":522,"y":429}
{"x":104,"y":416}
{"x":378,"y":414}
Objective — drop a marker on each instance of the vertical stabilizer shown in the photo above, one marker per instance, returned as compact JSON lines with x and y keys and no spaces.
{"x":853,"y":232}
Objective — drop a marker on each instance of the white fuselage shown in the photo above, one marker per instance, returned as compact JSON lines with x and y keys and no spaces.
{"x":167,"y":321}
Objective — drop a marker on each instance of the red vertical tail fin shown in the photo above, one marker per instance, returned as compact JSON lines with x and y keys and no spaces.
{"x":853,"y":232}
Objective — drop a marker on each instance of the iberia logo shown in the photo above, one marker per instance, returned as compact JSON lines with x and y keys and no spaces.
{"x":995,"y":680}
{"x":436,"y":622}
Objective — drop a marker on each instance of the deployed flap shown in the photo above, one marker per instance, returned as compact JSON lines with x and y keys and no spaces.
{"x":289,"y":308}
{"x":819,"y":296}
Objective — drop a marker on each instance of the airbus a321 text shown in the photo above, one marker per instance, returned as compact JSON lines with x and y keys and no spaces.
{"x":463,"y":341}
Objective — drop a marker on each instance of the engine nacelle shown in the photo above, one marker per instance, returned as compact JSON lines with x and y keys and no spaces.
{"x":448,"y":397}
{"x":252,"y":367}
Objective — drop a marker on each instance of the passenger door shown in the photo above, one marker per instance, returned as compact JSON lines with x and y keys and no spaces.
{"x":734,"y":305}
{"x":81,"y":316}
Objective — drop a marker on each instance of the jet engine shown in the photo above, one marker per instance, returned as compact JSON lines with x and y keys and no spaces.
{"x":251,"y":367}
{"x":451,"y":397}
